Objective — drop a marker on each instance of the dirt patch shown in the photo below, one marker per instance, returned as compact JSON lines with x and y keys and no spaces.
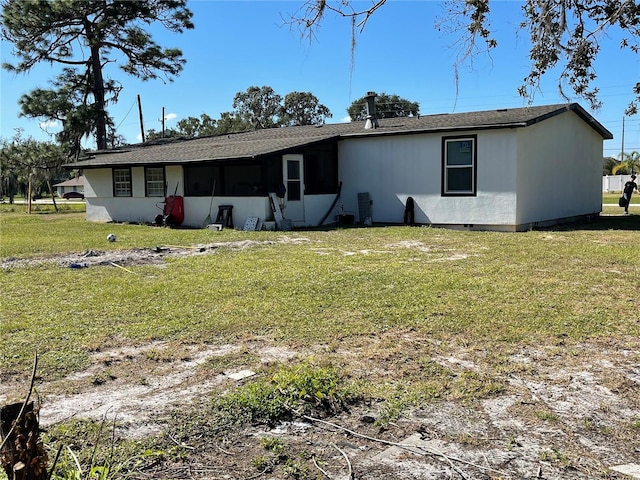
{"x":135,"y":385}
{"x":137,"y":256}
{"x":560,"y":416}
{"x":158,"y":255}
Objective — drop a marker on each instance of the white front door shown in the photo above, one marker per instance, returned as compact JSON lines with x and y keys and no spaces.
{"x":293,"y":172}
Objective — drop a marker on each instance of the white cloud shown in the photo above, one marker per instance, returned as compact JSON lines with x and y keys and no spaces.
{"x":49,"y":124}
{"x":170,"y":116}
{"x":346,"y":119}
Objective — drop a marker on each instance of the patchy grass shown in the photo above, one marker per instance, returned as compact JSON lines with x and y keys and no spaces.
{"x":89,"y":449}
{"x":278,"y":394}
{"x":376,"y":313}
{"x":319,"y":287}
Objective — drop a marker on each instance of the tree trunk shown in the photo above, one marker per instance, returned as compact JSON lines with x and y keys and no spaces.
{"x":23,"y":456}
{"x":53,"y":197}
{"x":29,"y":200}
{"x":98,"y":86}
{"x":98,"y":96}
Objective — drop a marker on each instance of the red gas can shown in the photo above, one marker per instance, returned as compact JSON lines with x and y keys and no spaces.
{"x":174,"y":210}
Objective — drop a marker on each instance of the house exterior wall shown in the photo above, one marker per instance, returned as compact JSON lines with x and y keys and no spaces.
{"x":396,"y":167}
{"x":528,"y":176}
{"x":102,"y":206}
{"x":559,"y":171}
{"x":315,"y":208}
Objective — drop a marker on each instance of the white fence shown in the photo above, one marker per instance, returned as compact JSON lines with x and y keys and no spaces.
{"x":614,"y":183}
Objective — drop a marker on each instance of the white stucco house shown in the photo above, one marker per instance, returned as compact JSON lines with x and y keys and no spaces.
{"x":505,"y":169}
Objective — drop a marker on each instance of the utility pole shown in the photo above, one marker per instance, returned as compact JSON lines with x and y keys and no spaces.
{"x":622,"y":154}
{"x":162,"y":122}
{"x":141,"y":122}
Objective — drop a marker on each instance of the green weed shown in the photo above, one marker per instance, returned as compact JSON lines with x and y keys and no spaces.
{"x":554,"y":456}
{"x":546,"y":416}
{"x":89,"y":450}
{"x":301,"y":389}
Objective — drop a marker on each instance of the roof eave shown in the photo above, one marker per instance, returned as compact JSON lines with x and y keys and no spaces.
{"x":459,"y":128}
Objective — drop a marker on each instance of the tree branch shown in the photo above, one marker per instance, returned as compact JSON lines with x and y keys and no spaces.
{"x":411,"y":448}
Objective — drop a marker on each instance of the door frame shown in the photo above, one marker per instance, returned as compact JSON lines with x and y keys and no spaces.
{"x":294,"y":209}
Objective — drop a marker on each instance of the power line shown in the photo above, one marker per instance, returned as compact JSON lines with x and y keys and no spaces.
{"x":125,"y":117}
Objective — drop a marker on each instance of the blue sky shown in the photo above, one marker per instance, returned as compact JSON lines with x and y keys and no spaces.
{"x":241,"y":43}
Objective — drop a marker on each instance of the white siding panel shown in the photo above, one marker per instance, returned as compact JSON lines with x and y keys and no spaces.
{"x":316,"y":206}
{"x":98,"y":183}
{"x":98,"y":191}
{"x":390,"y":169}
{"x":394,"y":168}
{"x":559,"y":170}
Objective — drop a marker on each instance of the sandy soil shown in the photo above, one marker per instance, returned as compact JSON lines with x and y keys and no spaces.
{"x":587,"y":407}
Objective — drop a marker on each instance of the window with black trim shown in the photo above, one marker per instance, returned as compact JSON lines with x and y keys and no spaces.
{"x":459,"y":165}
{"x":122,"y":182}
{"x":154,"y":181}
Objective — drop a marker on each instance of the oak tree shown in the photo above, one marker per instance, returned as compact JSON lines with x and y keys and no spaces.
{"x":25,"y":161}
{"x":303,"y":108}
{"x":258,"y":106}
{"x":230,"y":122}
{"x":197,"y":127}
{"x":563,"y":33}
{"x":387,"y":106}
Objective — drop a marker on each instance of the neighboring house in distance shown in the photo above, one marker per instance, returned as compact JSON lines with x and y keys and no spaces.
{"x":505,"y":169}
{"x":72,"y":185}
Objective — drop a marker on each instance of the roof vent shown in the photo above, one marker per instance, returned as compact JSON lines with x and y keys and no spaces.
{"x":371,"y":118}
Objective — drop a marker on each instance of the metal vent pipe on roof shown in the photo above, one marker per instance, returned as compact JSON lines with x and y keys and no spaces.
{"x":371,"y":119}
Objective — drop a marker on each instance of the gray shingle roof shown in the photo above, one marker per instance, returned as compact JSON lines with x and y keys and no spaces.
{"x":261,"y":142}
{"x":73,"y":182}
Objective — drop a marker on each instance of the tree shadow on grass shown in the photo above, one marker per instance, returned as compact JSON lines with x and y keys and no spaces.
{"x":603,"y":222}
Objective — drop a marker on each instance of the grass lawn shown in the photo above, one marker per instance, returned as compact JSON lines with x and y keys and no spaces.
{"x":397,"y":295}
{"x":475,"y":287}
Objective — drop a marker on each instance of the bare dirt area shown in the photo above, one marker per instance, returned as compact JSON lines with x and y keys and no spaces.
{"x":560,"y":420}
{"x":562,"y":414}
{"x":136,"y":256}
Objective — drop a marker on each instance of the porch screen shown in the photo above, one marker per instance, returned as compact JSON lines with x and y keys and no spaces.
{"x":199,"y":180}
{"x":321,"y":171}
{"x":233,"y":178}
{"x":459,"y":166}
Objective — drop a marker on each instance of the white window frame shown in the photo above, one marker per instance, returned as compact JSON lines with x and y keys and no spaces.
{"x":154,"y":178}
{"x":122,"y":183}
